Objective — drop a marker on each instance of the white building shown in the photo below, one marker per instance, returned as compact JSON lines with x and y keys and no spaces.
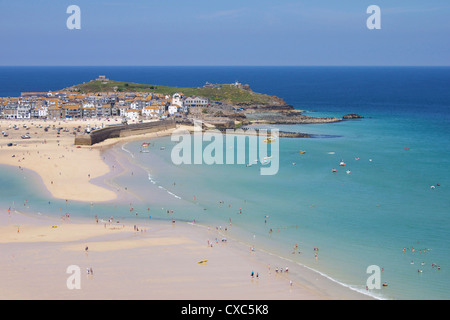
{"x":151,"y":111}
{"x":42,"y":112}
{"x":173,"y":108}
{"x":132,"y":114}
{"x":176,"y":99}
{"x":23,"y":111}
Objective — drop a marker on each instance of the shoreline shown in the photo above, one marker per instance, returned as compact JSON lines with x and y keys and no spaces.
{"x":66,"y":170}
{"x":158,"y":262}
{"x":311,"y":284}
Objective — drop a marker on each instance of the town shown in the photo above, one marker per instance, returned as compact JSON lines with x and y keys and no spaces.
{"x":73,"y":105}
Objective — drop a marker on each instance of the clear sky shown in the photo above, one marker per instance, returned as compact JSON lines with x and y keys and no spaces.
{"x":219,"y":32}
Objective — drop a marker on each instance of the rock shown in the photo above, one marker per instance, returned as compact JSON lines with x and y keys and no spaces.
{"x":352,"y":116}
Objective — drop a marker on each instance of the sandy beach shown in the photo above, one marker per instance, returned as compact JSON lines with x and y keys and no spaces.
{"x":66,"y":170}
{"x":157,"y":261}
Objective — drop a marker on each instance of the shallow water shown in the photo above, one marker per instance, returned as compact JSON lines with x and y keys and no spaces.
{"x":356,"y":220}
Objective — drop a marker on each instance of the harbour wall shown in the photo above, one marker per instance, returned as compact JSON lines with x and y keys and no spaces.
{"x":123,"y":131}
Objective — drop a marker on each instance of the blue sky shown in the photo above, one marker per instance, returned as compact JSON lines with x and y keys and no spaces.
{"x":216,"y":32}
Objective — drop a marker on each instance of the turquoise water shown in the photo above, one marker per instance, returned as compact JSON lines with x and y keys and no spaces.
{"x":359,"y":219}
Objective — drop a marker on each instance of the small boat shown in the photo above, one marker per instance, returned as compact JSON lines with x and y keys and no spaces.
{"x":302,"y":152}
{"x":269,"y":140}
{"x":144,"y":147}
{"x":342,"y":163}
{"x":333,"y":170}
{"x":348,"y":171}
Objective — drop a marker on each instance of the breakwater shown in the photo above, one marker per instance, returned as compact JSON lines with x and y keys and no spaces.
{"x":123,"y":131}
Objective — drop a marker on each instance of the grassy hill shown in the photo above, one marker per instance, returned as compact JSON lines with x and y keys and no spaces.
{"x":228,"y":93}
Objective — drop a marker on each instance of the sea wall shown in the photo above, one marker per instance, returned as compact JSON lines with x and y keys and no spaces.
{"x":123,"y":131}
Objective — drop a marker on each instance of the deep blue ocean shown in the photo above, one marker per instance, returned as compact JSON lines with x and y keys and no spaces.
{"x":386,"y":204}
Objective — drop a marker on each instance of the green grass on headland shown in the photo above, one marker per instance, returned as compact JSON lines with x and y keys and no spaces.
{"x":227,"y":93}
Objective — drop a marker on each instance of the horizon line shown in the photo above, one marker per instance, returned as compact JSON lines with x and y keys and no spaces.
{"x":205,"y":66}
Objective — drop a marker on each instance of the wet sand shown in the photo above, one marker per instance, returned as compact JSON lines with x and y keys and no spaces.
{"x":160,"y":261}
{"x":157,"y":261}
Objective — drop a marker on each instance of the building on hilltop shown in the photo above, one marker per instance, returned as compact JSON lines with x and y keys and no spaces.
{"x":102,"y":78}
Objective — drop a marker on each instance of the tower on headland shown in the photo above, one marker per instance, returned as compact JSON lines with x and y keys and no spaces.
{"x":102,"y":78}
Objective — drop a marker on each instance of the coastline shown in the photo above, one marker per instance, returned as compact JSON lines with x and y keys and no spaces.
{"x":158,"y":262}
{"x":67,"y":171}
{"x":307,"y":283}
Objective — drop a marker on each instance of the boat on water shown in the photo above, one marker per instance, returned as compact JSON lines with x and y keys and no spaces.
{"x":269,"y":140}
{"x":342,"y":163}
{"x":144,"y":147}
{"x":333,"y":170}
{"x":302,"y":152}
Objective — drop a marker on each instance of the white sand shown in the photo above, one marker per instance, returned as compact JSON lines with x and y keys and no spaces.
{"x":160,"y":263}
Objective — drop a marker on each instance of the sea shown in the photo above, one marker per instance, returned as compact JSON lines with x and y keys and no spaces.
{"x":387,"y":210}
